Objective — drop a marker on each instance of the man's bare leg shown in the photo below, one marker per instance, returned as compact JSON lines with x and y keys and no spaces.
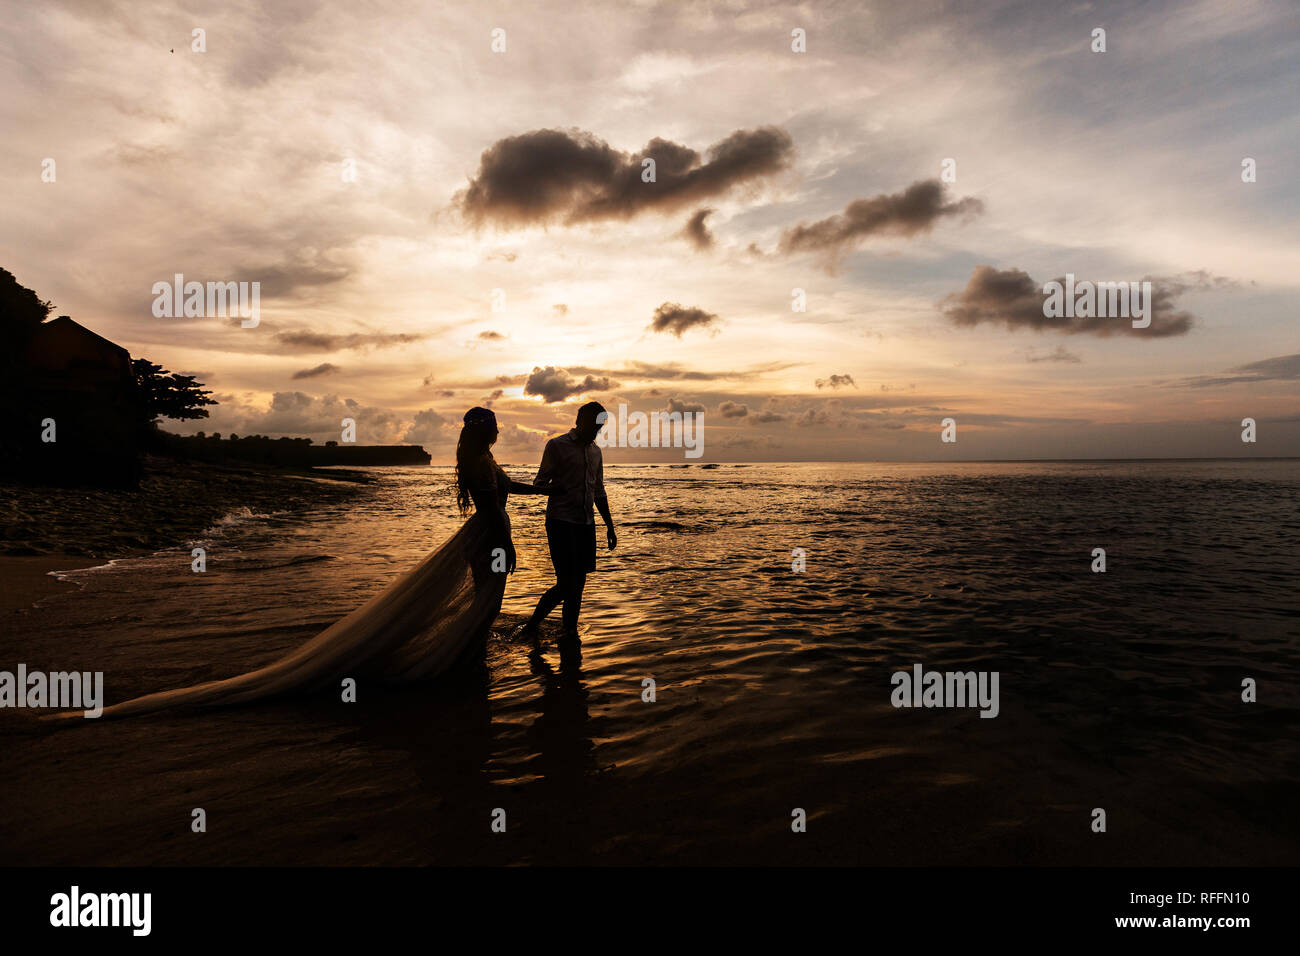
{"x":548,"y":603}
{"x":573,"y":603}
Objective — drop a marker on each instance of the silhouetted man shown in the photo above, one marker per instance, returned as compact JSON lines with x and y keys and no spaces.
{"x":572,"y":462}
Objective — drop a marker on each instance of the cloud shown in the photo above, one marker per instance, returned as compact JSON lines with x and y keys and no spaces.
{"x":325,"y":368}
{"x":520,"y":438}
{"x":915,"y":210}
{"x":318,"y":418}
{"x":837,"y":381}
{"x":697,"y":232}
{"x":1011,"y":297}
{"x":645,"y":371}
{"x":444,"y":392}
{"x":733,"y":409}
{"x":1060,"y":354}
{"x":671,"y":317}
{"x":324,"y":342}
{"x":555,"y":384}
{"x":766,"y":417}
{"x":134,"y":154}
{"x":692,"y":407}
{"x":560,"y":309}
{"x":572,"y":176}
{"x":303,"y":272}
{"x":743,"y":441}
{"x":1277,"y":369}
{"x":428,"y":427}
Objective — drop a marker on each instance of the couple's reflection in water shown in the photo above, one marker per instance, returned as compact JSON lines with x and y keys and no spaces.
{"x":560,"y":736}
{"x":490,"y":733}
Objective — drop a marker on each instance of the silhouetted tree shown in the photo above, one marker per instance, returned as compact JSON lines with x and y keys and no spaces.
{"x":21,"y":311}
{"x":164,"y":394}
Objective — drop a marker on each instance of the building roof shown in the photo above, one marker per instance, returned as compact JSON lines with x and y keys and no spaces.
{"x":64,"y":345}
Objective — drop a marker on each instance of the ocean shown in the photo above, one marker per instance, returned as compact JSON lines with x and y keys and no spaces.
{"x":770,"y":605}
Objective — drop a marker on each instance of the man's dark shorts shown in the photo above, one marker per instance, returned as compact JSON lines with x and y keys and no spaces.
{"x":573,"y":547}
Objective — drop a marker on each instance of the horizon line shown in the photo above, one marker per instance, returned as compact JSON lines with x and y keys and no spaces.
{"x":944,"y":461}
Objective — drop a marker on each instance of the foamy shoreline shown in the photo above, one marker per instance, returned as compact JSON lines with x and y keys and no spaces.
{"x":50,"y":530}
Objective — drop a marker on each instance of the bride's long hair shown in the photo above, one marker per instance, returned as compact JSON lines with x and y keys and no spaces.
{"x":473,"y":450}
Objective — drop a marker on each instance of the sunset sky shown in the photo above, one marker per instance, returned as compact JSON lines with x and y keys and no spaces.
{"x":775,"y":170}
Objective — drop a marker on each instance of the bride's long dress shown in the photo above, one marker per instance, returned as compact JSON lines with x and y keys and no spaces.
{"x":414,"y":629}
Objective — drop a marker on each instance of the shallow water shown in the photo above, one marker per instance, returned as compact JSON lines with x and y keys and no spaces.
{"x":1118,"y":689}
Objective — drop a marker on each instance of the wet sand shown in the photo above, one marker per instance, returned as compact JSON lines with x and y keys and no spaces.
{"x":26,"y":580}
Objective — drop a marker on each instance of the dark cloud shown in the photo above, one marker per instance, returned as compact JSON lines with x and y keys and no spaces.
{"x":571,"y":176}
{"x":1278,"y":369}
{"x":671,"y":317}
{"x":1014,"y":299}
{"x":912,"y":211}
{"x":733,"y":409}
{"x":837,"y":381}
{"x":323,"y":342}
{"x":491,"y":336}
{"x":556,"y":384}
{"x":697,"y":232}
{"x":766,"y":417}
{"x":325,"y":368}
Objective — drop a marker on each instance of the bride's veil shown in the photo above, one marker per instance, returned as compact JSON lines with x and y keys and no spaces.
{"x":413,"y":629}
